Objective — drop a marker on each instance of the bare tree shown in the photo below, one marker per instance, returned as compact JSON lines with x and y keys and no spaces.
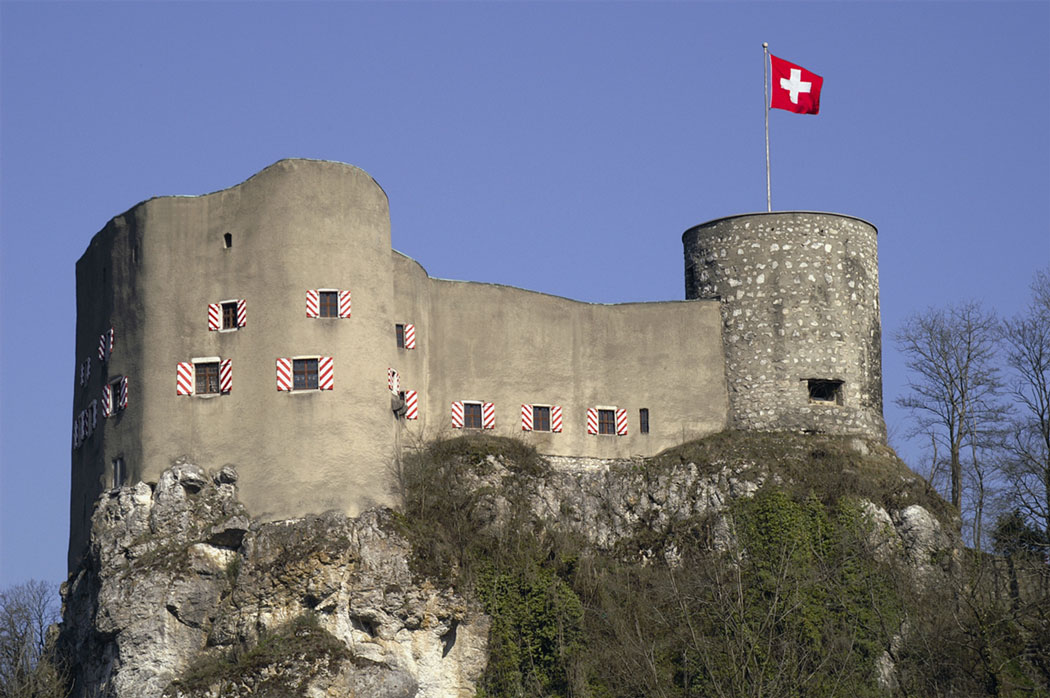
{"x":1027,"y":340}
{"x":954,"y":384}
{"x":28,"y":665}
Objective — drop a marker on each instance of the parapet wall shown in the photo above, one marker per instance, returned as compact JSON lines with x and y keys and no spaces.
{"x":799,"y":296}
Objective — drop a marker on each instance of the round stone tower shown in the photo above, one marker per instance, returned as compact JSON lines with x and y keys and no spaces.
{"x":800,"y":318}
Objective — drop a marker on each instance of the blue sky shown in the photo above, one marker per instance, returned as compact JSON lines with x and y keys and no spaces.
{"x":561,"y":147}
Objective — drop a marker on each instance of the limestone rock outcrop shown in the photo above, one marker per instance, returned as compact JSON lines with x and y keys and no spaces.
{"x":184,"y":595}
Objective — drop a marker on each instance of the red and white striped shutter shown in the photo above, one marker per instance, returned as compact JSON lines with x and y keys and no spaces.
{"x":214,"y":316}
{"x":411,"y":404}
{"x":621,"y":422}
{"x":111,"y":340}
{"x":344,"y":304}
{"x":526,"y":417}
{"x":184,"y":377}
{"x":488,"y":416}
{"x":556,"y":418}
{"x":325,"y":373}
{"x":313,"y":303}
{"x":410,"y":336}
{"x":107,"y":400}
{"x":105,"y":344}
{"x":225,"y":375}
{"x":393,"y":381}
{"x":457,"y":415}
{"x":242,"y":312}
{"x":592,"y":420}
{"x":123,"y":393}
{"x":284,"y":374}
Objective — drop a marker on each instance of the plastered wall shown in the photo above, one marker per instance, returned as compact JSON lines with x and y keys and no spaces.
{"x":298,"y":225}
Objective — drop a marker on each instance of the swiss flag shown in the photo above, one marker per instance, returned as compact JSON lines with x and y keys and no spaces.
{"x":794,"y":88}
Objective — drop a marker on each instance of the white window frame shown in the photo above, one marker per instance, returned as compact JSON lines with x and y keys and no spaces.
{"x":235,"y":301}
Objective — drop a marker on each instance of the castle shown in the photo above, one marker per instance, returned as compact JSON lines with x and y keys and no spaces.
{"x":271,"y":326}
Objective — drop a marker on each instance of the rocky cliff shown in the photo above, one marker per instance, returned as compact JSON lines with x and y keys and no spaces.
{"x":184,"y":595}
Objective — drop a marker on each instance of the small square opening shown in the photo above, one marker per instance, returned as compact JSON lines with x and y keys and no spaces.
{"x":227,"y":240}
{"x":825,"y":391}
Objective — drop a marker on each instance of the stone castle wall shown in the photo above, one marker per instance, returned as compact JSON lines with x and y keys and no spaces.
{"x":799,"y":296}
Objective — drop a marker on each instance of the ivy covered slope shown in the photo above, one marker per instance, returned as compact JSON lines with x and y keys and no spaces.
{"x":742,"y":564}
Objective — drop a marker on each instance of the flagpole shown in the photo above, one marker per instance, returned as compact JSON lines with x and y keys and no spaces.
{"x":765,"y":71}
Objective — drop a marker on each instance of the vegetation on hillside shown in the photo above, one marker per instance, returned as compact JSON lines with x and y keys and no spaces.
{"x":799,"y":606}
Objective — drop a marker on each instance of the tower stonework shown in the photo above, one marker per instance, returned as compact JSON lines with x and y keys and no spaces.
{"x":801,"y":332}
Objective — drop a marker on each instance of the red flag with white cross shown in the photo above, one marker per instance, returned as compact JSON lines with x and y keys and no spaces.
{"x":793,"y":87}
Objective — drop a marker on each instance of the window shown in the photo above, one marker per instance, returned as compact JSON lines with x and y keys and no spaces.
{"x":114,"y":396}
{"x":405,"y":335}
{"x":227,"y":315}
{"x":120,"y":473}
{"x":471,"y":415}
{"x":207,"y":375}
{"x":304,"y":374}
{"x":206,"y":379}
{"x":465,"y":415}
{"x":329,"y":303}
{"x":541,"y":418}
{"x":607,"y":420}
{"x":105,"y":345}
{"x":227,"y":240}
{"x":825,"y":391}
{"x":643,"y":420}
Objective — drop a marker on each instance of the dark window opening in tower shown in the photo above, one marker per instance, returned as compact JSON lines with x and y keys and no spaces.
{"x":227,"y":240}
{"x":120,"y":474}
{"x":827,"y":391}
